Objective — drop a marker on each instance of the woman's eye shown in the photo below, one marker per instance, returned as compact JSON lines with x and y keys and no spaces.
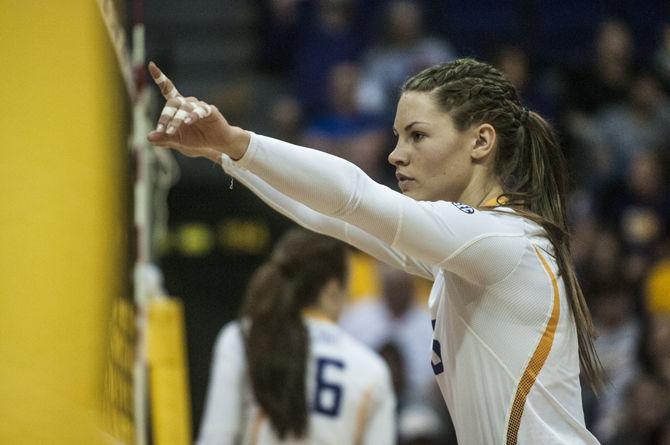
{"x":417,"y":137}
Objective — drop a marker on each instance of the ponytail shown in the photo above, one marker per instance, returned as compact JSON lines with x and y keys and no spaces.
{"x":276,"y":350}
{"x":536,"y":178}
{"x":275,"y":336}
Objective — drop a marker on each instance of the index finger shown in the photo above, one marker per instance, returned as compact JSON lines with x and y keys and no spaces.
{"x":168,"y":90}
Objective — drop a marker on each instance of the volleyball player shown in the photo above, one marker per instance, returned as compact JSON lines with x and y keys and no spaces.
{"x":481,"y":213}
{"x":287,"y":373}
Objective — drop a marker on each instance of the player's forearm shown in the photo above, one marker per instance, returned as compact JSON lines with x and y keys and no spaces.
{"x":326,"y":225}
{"x":292,"y":209}
{"x":325,"y":183}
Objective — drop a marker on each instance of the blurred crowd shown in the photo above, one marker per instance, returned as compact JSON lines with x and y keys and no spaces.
{"x":341,"y":63}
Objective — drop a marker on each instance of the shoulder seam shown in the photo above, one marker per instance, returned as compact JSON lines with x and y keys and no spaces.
{"x":516,"y":266}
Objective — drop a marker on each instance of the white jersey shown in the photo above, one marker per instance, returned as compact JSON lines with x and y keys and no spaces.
{"x":350,"y":396}
{"x":504,"y":347}
{"x":371,"y":322}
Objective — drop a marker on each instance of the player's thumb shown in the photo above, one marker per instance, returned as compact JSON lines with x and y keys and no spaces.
{"x":158,"y":137}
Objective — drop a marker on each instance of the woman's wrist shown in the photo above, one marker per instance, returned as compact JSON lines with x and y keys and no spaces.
{"x":236,"y":143}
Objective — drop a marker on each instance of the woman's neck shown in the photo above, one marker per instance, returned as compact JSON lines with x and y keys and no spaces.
{"x":482,"y":195}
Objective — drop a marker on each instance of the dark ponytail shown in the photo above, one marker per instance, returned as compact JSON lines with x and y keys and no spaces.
{"x":275,"y":337}
{"x":541,"y":186}
{"x":529,"y":162}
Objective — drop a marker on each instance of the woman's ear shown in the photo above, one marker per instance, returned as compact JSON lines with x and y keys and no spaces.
{"x":485,"y":140}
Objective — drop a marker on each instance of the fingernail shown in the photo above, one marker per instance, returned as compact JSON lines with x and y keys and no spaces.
{"x":170,"y":129}
{"x":160,"y":128}
{"x":188,"y":120}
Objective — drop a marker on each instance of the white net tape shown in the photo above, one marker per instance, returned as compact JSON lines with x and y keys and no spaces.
{"x":117,"y":36}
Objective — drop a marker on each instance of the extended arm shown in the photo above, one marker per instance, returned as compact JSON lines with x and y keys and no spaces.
{"x":326,"y":225}
{"x":431,"y":233}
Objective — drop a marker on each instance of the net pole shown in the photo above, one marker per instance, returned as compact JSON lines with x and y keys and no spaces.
{"x":131,"y":65}
{"x":144,"y":159}
{"x":117,"y":36}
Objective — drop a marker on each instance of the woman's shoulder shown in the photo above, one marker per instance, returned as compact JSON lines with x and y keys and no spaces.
{"x":230,"y":336}
{"x":481,"y":221}
{"x":329,"y":336}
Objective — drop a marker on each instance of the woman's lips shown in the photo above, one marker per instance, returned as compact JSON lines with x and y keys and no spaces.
{"x":403,"y":181}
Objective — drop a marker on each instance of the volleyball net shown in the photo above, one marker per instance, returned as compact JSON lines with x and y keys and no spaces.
{"x":145,"y":383}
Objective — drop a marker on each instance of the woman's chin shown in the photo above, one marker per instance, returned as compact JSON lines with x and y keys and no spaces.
{"x":412,"y":194}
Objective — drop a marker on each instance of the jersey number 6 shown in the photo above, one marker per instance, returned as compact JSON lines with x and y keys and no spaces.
{"x":328,"y":395}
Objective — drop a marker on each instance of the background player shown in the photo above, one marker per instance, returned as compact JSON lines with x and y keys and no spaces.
{"x":286,"y":373}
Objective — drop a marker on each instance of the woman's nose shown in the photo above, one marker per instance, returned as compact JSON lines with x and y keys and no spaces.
{"x":397,"y":157}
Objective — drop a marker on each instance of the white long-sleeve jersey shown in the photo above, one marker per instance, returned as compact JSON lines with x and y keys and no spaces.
{"x":504,"y":346}
{"x":350,"y":396}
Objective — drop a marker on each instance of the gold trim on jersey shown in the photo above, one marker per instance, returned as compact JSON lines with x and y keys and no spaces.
{"x":537,"y":360}
{"x":362,"y":416}
{"x":494,"y":202}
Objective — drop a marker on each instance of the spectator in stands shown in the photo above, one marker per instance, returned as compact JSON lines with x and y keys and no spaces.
{"x":657,"y":346}
{"x":308,"y":38}
{"x":513,"y":61}
{"x":645,"y":409}
{"x":396,"y":318}
{"x":617,"y":343}
{"x":641,"y":123}
{"x":281,"y":23}
{"x":404,"y":49}
{"x":342,"y":129}
{"x":584,"y":226}
{"x":286,"y":119}
{"x":638,"y":208}
{"x":662,"y":58}
{"x":607,"y":80}
{"x":589,"y":90}
{"x":603,"y":262}
{"x":663,"y":437}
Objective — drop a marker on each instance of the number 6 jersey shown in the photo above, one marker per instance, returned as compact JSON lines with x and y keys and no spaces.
{"x":350,"y":399}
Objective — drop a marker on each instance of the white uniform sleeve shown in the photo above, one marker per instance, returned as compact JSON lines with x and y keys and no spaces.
{"x":326,"y":225}
{"x":433,"y":233}
{"x":380,"y":429}
{"x":222,"y":419}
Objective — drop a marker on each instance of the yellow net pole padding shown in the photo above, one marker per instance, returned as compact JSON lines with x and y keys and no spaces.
{"x":168,"y":376}
{"x":62,"y":218}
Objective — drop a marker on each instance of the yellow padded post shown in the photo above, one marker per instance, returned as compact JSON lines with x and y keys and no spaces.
{"x":168,"y":376}
{"x":62,"y":224}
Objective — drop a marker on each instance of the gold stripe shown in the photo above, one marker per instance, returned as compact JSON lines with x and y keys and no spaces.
{"x":536,"y":361}
{"x":260,"y":417}
{"x":362,"y":416}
